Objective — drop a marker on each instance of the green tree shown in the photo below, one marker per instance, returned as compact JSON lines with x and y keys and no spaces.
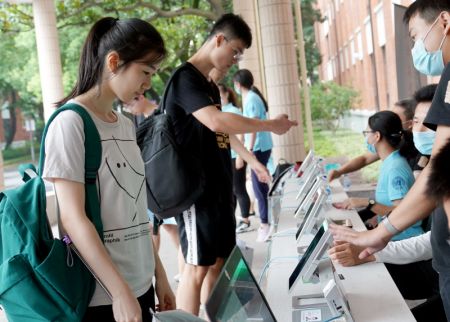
{"x":310,"y":15}
{"x":183,"y":24}
{"x":330,"y":102}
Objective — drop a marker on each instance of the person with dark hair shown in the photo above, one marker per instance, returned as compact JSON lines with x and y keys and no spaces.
{"x":207,"y":228}
{"x":422,"y":136}
{"x":260,"y":144}
{"x":384,"y":137}
{"x":429,"y":26}
{"x":405,"y":110}
{"x":239,"y":166}
{"x":118,"y":59}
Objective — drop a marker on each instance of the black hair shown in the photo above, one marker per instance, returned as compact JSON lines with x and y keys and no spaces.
{"x":231,"y":95}
{"x":408,"y":106}
{"x":133,"y":39}
{"x":389,"y":125}
{"x":233,"y":27}
{"x":438,"y":185}
{"x":425,"y":94}
{"x":426,"y":9}
{"x":245,"y":78}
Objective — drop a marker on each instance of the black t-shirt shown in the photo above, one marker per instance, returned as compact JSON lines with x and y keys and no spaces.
{"x":189,"y":92}
{"x":439,"y":114}
{"x":420,"y":162}
{"x":439,"y":241}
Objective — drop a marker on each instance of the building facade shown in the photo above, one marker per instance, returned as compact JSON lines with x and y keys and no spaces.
{"x":365,"y":44}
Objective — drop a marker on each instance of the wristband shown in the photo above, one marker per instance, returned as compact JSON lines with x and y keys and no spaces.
{"x":389,"y":227}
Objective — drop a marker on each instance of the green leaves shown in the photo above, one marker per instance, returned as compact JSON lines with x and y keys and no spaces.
{"x":329,"y":102}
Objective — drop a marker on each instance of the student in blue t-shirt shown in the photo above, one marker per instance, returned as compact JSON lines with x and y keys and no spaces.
{"x":260,"y":143}
{"x":384,"y":137}
{"x":229,"y":105}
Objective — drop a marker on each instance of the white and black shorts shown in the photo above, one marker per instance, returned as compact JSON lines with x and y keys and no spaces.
{"x":207,"y":232}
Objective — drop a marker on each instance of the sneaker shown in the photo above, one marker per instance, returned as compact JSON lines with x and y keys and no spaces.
{"x":242,"y":227}
{"x":263,"y":234}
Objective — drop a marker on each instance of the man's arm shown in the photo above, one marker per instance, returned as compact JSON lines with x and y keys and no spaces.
{"x":400,"y":252}
{"x":406,"y":251}
{"x":231,"y":123}
{"x":353,"y":165}
{"x":166,"y":298}
{"x":258,"y":167}
{"x":415,"y":206}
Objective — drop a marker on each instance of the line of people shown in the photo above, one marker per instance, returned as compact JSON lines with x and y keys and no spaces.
{"x":429,"y":26}
{"x":118,"y":59}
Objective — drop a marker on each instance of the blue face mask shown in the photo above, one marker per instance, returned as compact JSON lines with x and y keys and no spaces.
{"x":371,"y":147}
{"x":423,"y":141}
{"x":428,"y":63}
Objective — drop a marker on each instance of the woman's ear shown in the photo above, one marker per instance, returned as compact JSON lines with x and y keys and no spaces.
{"x":377,"y":136}
{"x":112,"y":61}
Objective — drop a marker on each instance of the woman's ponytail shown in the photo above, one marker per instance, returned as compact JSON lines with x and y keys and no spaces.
{"x":133,"y":40}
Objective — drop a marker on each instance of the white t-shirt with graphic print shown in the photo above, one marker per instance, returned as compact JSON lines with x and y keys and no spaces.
{"x":122,"y":194}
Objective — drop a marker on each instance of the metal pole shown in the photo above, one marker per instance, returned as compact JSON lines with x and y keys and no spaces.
{"x":302,"y":61}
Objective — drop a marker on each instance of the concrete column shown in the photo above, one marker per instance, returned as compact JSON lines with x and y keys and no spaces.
{"x":281,"y":73}
{"x":48,"y":53}
{"x":252,"y":60}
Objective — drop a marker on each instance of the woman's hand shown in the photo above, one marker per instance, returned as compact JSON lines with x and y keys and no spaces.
{"x":126,"y":307}
{"x":333,"y":174}
{"x":351,"y":203}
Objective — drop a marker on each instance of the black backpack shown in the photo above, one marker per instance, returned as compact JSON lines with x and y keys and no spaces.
{"x":174,"y":177}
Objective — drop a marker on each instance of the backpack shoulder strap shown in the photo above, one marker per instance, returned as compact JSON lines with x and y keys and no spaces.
{"x":162,"y":104}
{"x":93,"y":153}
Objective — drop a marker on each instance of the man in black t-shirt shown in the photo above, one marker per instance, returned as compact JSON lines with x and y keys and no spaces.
{"x":429,"y":27}
{"x":207,"y":229}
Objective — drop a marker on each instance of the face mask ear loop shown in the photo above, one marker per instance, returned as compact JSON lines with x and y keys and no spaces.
{"x":442,"y":42}
{"x":431,"y":28}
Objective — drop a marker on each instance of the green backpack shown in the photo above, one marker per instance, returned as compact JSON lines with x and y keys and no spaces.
{"x":40,"y":280}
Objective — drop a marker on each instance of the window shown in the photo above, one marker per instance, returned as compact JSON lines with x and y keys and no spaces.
{"x":368,"y":30}
{"x":381,"y":31}
{"x":352,"y":50}
{"x":326,"y":25}
{"x":329,"y":70}
{"x":359,"y":44}
{"x":346,"y":57}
